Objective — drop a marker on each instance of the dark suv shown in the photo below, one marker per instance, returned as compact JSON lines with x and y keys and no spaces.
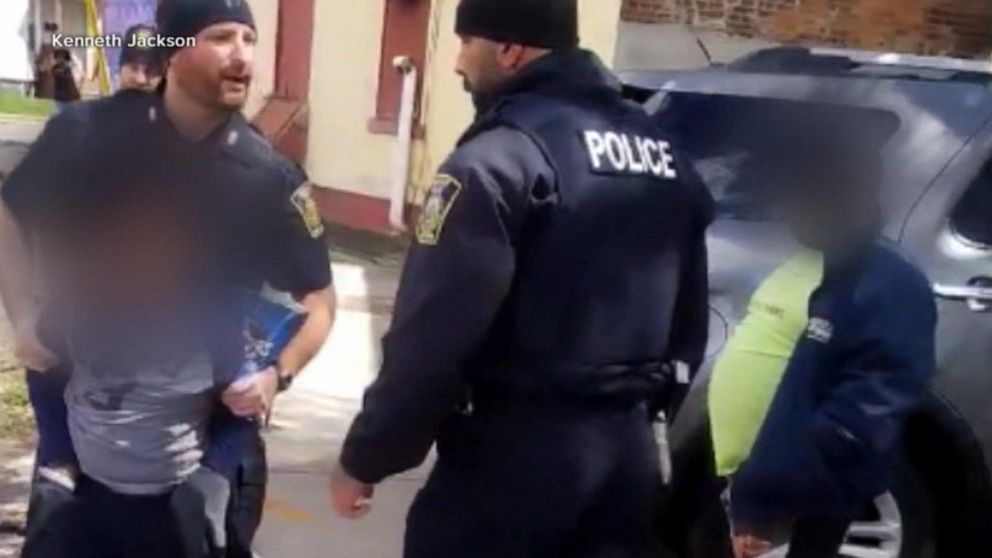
{"x":938,"y":195}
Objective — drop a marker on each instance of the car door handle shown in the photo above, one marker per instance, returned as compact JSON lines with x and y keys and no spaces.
{"x":963,"y":292}
{"x":978,"y":293}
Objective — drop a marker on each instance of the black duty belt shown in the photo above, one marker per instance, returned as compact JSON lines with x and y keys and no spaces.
{"x":556,"y":389}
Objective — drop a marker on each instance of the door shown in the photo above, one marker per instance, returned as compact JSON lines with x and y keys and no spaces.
{"x":950,"y":236}
{"x":293,"y":49}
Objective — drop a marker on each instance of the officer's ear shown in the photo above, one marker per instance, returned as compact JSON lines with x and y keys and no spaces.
{"x":511,"y":56}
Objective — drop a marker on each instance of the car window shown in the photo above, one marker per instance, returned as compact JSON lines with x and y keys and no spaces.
{"x":736,"y":143}
{"x":972,"y":217}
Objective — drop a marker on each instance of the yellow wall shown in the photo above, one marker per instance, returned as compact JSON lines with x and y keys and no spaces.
{"x":266,"y":20}
{"x":600,"y":24}
{"x":342,"y":154}
{"x":347,"y":35}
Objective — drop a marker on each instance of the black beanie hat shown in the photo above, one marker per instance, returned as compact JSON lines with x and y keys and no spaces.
{"x":186,"y":18}
{"x":149,"y":56}
{"x":552,"y":24}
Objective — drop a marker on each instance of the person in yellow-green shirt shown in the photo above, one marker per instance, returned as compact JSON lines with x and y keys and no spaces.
{"x":808,"y":404}
{"x":751,"y":366}
{"x":748,"y":373}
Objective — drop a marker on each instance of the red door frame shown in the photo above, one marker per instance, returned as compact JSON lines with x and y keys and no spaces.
{"x":284,"y":119}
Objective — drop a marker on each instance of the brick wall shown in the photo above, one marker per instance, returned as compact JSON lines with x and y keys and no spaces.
{"x":938,"y":27}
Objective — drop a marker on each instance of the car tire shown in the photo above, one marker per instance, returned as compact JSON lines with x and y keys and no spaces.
{"x":708,"y":534}
{"x":918,"y":513}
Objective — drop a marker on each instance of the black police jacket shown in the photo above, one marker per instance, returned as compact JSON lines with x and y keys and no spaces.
{"x":555,"y":248}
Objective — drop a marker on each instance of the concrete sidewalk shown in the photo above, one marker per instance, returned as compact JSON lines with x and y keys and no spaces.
{"x":309,"y":427}
{"x":20,"y":130}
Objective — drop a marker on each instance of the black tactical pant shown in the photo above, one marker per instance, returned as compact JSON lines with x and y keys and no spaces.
{"x":55,"y":514}
{"x":247,"y":500}
{"x":96,"y":522}
{"x":545,"y":484}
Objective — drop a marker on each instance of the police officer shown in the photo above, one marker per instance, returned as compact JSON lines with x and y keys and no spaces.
{"x":208,"y":196}
{"x":558,"y":265}
{"x":141,"y":66}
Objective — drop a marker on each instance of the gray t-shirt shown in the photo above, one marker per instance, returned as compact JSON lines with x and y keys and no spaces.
{"x":141,"y":430}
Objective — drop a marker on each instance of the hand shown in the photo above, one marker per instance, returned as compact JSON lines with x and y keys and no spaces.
{"x":750,"y":546}
{"x":253,"y":396}
{"x":30,"y":352}
{"x":351,"y":498}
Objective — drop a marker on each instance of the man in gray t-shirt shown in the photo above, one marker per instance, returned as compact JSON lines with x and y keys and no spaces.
{"x":142,"y":432}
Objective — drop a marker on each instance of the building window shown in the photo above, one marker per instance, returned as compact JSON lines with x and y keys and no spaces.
{"x":404,"y":34}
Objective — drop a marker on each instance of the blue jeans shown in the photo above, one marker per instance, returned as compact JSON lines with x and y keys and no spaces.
{"x":46,"y":391}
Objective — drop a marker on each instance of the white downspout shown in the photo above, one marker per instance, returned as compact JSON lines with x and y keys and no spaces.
{"x":404,"y":143}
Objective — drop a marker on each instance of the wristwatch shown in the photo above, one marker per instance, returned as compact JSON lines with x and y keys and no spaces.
{"x":285,"y":379}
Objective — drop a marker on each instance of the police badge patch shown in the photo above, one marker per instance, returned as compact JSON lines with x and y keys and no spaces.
{"x":303,"y":202}
{"x":440,"y":198}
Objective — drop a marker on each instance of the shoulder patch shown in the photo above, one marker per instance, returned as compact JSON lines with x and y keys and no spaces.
{"x":441,"y":197}
{"x":820,"y":330}
{"x":302,"y":199}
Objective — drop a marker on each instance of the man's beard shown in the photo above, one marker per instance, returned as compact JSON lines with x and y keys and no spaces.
{"x":227,"y":102}
{"x":483,"y":101}
{"x":209,"y":93}
{"x":483,"y":96}
{"x":230,"y":100}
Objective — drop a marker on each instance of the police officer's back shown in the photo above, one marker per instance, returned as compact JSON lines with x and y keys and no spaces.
{"x":536,"y":309}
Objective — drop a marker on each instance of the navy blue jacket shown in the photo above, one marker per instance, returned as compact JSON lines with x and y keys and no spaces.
{"x":555,"y":246}
{"x":833,"y":435}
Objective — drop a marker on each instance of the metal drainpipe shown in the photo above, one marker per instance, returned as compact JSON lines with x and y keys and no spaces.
{"x":404,"y":143}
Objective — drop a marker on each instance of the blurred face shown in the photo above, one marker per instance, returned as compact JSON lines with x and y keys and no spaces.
{"x":139,"y":76}
{"x":829,"y":218}
{"x":217,"y":72}
{"x":811,"y":224}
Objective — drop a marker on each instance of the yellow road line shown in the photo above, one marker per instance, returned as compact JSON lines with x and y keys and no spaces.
{"x":287,"y":512}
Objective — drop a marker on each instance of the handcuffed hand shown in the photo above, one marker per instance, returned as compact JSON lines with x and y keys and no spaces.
{"x":253,"y":396}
